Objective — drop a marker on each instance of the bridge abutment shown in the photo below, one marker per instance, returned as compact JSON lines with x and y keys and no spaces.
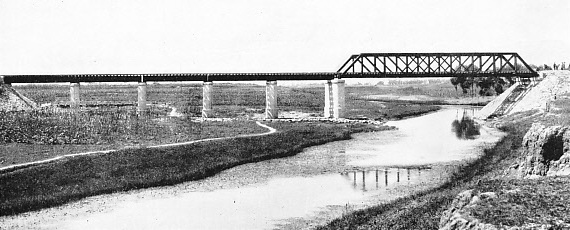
{"x":141,"y":102}
{"x":74,"y":94}
{"x":207,"y":90}
{"x":271,"y":110}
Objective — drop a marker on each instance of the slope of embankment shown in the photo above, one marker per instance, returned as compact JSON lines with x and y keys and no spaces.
{"x":10,"y":99}
{"x":539,"y":95}
{"x":519,"y":183}
{"x":553,"y":84}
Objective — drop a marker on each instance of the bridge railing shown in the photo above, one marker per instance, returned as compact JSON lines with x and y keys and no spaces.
{"x":399,"y":65}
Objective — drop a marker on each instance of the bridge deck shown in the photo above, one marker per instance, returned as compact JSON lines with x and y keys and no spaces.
{"x":166,"y":77}
{"x":365,"y":65}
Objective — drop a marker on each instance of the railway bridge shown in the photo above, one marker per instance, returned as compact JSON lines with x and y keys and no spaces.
{"x":364,"y":65}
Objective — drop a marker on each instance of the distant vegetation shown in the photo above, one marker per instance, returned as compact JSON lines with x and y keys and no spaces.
{"x":485,"y":86}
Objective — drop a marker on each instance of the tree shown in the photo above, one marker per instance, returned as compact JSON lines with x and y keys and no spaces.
{"x":464,"y":82}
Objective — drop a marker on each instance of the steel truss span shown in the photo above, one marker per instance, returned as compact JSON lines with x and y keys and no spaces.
{"x":365,"y":65}
{"x":412,"y":65}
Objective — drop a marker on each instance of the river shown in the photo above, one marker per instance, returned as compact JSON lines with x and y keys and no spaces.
{"x":302,"y":191}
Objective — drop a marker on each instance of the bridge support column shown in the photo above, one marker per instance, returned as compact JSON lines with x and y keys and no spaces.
{"x":141,"y":104}
{"x":328,"y":99}
{"x":1,"y":80}
{"x":74,"y":99}
{"x":207,"y":89}
{"x":338,"y":98}
{"x":271,"y":110}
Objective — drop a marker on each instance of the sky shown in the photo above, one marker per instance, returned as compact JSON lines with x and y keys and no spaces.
{"x":141,"y":36}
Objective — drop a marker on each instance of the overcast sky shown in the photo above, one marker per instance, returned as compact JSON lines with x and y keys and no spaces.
{"x":139,"y":36}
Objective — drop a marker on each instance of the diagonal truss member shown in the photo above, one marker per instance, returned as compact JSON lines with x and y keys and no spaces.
{"x":405,"y":65}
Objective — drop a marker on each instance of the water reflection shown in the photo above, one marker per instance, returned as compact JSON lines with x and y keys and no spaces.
{"x":464,"y":127}
{"x":362,"y":180}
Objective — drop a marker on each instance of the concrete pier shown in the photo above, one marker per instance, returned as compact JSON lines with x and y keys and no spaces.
{"x":328,"y":100}
{"x":271,"y":110}
{"x":74,"y":98}
{"x":1,"y":80}
{"x":207,"y":89}
{"x":141,"y":103}
{"x":338,"y":98}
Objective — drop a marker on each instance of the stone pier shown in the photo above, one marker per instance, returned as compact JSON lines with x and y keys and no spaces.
{"x":74,"y":98}
{"x":207,"y":89}
{"x":338,"y":98}
{"x":271,"y":110}
{"x":334,"y":99}
{"x":141,"y":104}
{"x":328,"y":100}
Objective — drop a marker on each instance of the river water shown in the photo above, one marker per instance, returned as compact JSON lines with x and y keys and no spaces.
{"x":302,"y":191}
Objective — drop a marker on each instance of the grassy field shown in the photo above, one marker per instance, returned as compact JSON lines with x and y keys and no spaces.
{"x":540,"y":200}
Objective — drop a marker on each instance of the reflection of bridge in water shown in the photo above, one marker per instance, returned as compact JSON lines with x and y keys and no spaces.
{"x":367,"y":180}
{"x":365,"y":65}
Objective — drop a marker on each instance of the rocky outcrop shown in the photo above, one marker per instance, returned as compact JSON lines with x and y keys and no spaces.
{"x":458,"y":216}
{"x":546,"y":151}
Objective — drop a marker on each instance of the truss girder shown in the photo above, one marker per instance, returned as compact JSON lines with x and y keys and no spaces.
{"x":435,"y":65}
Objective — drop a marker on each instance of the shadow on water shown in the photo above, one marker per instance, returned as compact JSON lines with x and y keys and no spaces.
{"x":464,"y":127}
